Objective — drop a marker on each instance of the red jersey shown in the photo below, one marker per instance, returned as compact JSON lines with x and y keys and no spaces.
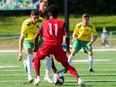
{"x":53,"y":31}
{"x":41,"y":13}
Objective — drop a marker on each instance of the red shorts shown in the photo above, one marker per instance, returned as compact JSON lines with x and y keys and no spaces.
{"x":56,"y":50}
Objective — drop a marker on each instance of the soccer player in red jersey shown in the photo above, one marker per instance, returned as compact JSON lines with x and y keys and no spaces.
{"x":42,"y":7}
{"x":53,"y":31}
{"x":49,"y":60}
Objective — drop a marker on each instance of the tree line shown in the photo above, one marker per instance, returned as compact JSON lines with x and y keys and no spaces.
{"x":95,"y":7}
{"x":89,"y":6}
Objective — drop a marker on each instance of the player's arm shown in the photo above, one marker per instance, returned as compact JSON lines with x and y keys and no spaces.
{"x":20,"y":47}
{"x":74,"y":35}
{"x":23,"y":32}
{"x":93,"y":40}
{"x":35,"y":42}
{"x":94,"y":36}
{"x":36,"y":38}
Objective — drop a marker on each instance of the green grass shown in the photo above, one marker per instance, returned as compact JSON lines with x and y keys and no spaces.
{"x":98,"y":21}
{"x":104,"y":66}
{"x":12,"y":24}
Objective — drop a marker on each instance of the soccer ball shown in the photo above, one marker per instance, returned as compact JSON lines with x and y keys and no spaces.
{"x":58,"y":79}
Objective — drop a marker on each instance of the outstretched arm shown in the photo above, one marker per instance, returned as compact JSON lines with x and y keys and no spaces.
{"x":35,"y":42}
{"x":74,"y":37}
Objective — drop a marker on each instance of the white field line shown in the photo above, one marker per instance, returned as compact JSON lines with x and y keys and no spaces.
{"x":93,"y":80}
{"x":66,"y":74}
{"x":9,"y":66}
{"x":86,"y":60}
{"x":74,"y":61}
{"x":51,"y":71}
{"x":22,"y":81}
{"x":13,"y":74}
{"x":12,"y":51}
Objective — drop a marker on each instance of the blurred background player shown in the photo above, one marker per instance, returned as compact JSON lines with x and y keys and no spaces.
{"x":28,"y":31}
{"x":53,"y":31}
{"x":49,"y":60}
{"x":82,"y":39}
{"x":104,"y":37}
{"x":42,"y":7}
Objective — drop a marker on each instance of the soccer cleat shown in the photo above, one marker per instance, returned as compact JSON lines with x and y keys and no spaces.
{"x":25,"y":66}
{"x":81,"y":82}
{"x":46,"y":78}
{"x":30,"y":79}
{"x":91,"y":70}
{"x":60,"y":71}
{"x":36,"y":81}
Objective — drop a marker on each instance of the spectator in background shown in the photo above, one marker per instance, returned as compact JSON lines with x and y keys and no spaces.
{"x":104,"y":37}
{"x":35,"y":3}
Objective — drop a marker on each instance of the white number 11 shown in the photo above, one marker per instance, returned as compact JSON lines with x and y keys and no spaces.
{"x":56,"y":29}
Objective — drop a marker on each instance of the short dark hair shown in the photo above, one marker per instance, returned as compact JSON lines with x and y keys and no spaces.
{"x":53,"y":10}
{"x":85,"y":15}
{"x":35,"y":12}
{"x":43,"y":1}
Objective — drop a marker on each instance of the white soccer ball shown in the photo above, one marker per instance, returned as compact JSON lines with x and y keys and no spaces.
{"x":58,"y":79}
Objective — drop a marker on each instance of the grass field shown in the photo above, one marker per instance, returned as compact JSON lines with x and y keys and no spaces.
{"x":12,"y":24}
{"x":12,"y":73}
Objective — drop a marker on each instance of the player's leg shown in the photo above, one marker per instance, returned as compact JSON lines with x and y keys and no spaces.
{"x":43,"y":51}
{"x":48,"y":68}
{"x":73,"y":72}
{"x":37,"y":65}
{"x":103,"y":41}
{"x":69,"y":60}
{"x":90,"y":56}
{"x":53,"y":66}
{"x":63,"y":60}
{"x":75,"y":48}
{"x":88,"y":49}
{"x":28,"y":62}
{"x":29,"y":65}
{"x":106,"y":43}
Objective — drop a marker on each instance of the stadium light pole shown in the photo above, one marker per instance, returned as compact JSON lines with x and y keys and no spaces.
{"x":66,"y":13}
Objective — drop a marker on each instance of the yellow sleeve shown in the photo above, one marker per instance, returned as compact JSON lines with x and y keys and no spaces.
{"x":94,"y":31}
{"x":76,"y":30}
{"x":40,"y":18}
{"x":24,"y":29}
